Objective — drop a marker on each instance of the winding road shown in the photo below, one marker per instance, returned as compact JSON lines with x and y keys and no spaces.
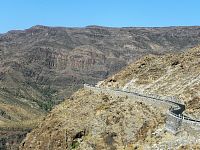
{"x":176,"y":109}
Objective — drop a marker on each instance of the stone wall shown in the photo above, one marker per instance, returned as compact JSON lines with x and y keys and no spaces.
{"x":175,"y":121}
{"x":145,"y":98}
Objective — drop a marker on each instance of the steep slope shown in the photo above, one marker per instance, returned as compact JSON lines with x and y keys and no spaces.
{"x":42,"y":65}
{"x":90,"y":120}
{"x":94,"y":121}
{"x":173,"y":75}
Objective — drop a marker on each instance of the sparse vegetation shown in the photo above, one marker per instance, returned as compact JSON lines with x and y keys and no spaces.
{"x":38,"y":74}
{"x":74,"y":145}
{"x":20,"y":125}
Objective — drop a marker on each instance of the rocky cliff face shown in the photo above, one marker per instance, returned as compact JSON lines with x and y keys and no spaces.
{"x":40,"y":66}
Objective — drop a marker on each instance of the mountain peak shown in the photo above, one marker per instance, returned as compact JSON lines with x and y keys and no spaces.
{"x":40,"y":27}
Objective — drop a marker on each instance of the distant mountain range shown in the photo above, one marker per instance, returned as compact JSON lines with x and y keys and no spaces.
{"x":42,"y":65}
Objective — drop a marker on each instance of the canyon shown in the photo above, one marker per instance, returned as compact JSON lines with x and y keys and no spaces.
{"x":42,"y":66}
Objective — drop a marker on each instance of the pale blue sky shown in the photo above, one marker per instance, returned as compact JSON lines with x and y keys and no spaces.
{"x":22,"y":14}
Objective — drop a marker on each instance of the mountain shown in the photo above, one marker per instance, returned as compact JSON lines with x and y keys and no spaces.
{"x":95,"y":119}
{"x":41,"y":66}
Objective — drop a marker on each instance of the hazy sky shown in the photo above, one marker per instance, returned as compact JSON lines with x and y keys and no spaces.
{"x":21,"y":14}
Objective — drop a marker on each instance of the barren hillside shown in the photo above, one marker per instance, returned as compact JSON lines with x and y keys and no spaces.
{"x":172,"y":75}
{"x":92,"y":121}
{"x":42,"y":65}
